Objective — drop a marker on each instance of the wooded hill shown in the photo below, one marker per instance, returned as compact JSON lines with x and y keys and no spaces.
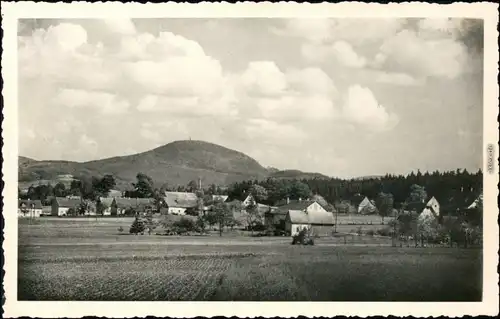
{"x":176,"y":163}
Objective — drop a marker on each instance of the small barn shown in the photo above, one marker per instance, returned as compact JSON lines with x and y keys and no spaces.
{"x":62,"y":206}
{"x":29,"y":208}
{"x":179,"y":203}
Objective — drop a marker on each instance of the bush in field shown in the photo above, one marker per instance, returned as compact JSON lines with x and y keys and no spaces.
{"x":370,"y":232}
{"x":386,"y":231}
{"x":130,"y":212}
{"x":200,"y":224}
{"x":120,"y":229}
{"x":184,"y":225}
{"x":137,"y":227}
{"x":71,"y":212}
{"x":303,"y":238}
{"x":359,"y":230}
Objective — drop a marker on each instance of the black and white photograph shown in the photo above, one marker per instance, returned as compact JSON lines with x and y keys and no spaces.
{"x":229,"y":158}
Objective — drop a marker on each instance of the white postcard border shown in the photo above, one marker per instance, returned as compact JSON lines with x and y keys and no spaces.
{"x":13,"y":11}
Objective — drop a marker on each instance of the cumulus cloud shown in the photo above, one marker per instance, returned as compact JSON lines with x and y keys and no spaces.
{"x":105,"y":102}
{"x":263,"y":78}
{"x":310,"y":80}
{"x":306,"y":94}
{"x":324,"y":30}
{"x":121,"y":26}
{"x":402,"y":79}
{"x":313,"y":29}
{"x":346,"y":55}
{"x":341,"y":51}
{"x":431,"y":48}
{"x":362,"y":108}
{"x":274,"y":132}
{"x":441,"y":25}
{"x":408,"y":52}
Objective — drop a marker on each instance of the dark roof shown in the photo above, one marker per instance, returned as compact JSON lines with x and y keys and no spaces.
{"x":125,"y":202}
{"x":295,"y":205}
{"x":37,"y":204}
{"x":169,"y":219}
{"x":313,"y":218}
{"x":181,"y":199}
{"x":68,"y":202}
{"x":263,"y":209}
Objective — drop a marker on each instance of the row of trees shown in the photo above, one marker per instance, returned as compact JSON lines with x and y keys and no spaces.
{"x":86,"y":188}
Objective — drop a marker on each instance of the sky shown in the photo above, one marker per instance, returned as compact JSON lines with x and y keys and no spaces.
{"x":342,"y":97}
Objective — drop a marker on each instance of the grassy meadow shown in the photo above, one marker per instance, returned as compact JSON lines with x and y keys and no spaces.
{"x":87,"y":259}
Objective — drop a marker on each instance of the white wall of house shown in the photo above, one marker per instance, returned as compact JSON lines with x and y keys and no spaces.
{"x":434,"y":204}
{"x":62,"y":211}
{"x":294,"y":229}
{"x":29,"y":213}
{"x":248,"y":200}
{"x":177,"y":210}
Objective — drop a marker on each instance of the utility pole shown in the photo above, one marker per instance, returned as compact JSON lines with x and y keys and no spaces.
{"x":336,"y":215}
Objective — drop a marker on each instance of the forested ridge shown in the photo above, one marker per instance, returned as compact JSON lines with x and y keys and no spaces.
{"x":453,"y":189}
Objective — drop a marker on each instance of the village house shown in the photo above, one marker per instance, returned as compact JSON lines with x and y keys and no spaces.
{"x":29,"y":208}
{"x":62,"y":206}
{"x":120,"y":205}
{"x":180,"y":203}
{"x":307,"y":214}
{"x":367,"y":207}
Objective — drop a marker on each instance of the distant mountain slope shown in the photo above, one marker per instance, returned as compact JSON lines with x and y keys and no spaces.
{"x":176,"y":163}
{"x":291,"y":173}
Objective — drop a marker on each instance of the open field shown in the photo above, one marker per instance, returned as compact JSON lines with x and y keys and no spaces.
{"x":88,"y":260}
